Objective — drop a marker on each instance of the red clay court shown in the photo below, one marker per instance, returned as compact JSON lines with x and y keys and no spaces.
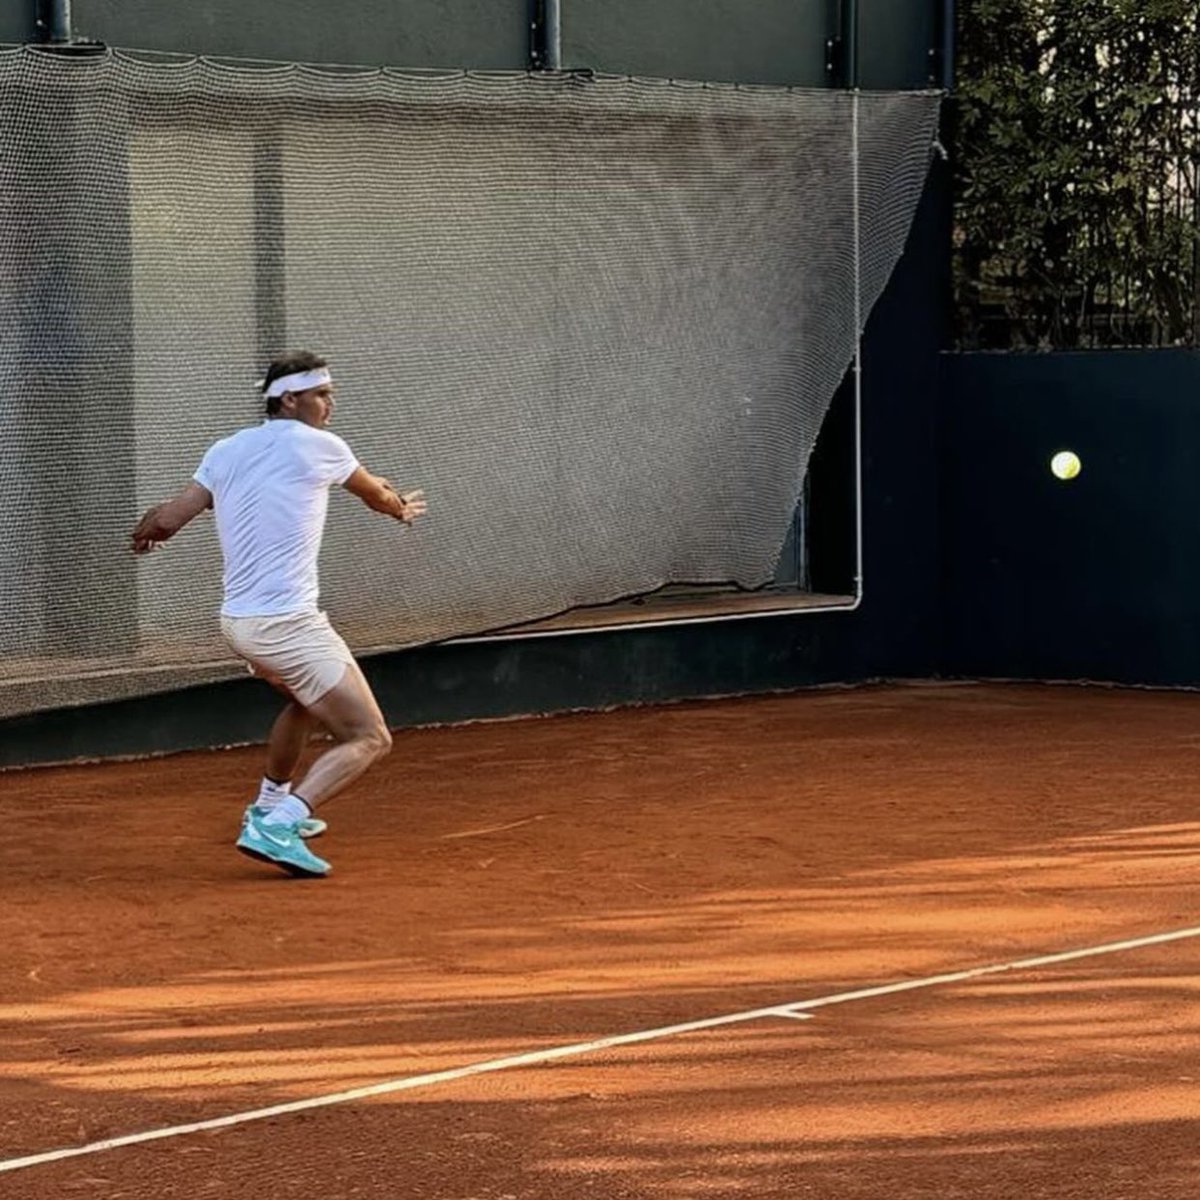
{"x":860,"y":905}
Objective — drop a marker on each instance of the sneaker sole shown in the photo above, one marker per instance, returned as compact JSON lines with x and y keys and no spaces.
{"x":291,"y":868}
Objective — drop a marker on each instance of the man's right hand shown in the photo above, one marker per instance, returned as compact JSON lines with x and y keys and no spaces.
{"x":377,"y":494}
{"x":412,"y":505}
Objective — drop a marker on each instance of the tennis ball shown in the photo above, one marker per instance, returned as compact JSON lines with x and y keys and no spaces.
{"x":1065,"y":464}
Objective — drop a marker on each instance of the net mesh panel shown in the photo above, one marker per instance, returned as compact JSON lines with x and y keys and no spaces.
{"x":598,"y":320}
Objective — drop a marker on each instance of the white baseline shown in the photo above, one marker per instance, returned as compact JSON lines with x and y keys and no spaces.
{"x":796,"y":1009}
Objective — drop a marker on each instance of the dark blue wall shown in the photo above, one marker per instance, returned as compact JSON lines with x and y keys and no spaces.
{"x":1097,"y":578}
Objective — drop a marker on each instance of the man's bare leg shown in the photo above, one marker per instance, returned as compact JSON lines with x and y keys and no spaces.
{"x":289,"y":735}
{"x":285,"y":746}
{"x":351,"y":714}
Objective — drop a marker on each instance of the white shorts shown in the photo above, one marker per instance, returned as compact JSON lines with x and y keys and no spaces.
{"x":299,"y":651}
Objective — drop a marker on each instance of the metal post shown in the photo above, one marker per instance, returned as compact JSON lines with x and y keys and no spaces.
{"x":1195,"y":165}
{"x":53,"y":22}
{"x":850,"y":43}
{"x":545,"y":49}
{"x":553,"y":35}
{"x":946,"y":49}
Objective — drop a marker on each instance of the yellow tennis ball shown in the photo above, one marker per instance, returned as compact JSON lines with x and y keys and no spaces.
{"x":1065,"y":464}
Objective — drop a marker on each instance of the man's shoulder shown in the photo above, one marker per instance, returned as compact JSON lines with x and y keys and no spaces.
{"x":324,"y":440}
{"x":289,"y":437}
{"x":321,"y":435}
{"x":238,"y":437}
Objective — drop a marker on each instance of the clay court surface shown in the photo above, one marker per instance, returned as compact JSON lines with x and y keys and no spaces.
{"x":511,"y":888}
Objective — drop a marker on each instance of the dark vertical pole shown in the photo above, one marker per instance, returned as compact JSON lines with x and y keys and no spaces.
{"x":270,"y":301}
{"x":53,"y":21}
{"x":942,"y":173}
{"x":841,"y":47}
{"x":1195,"y":164}
{"x":941,"y":53}
{"x":832,"y":496}
{"x":545,"y":35}
{"x":852,"y":81}
{"x":553,"y":35}
{"x":850,"y":43}
{"x":947,"y":39}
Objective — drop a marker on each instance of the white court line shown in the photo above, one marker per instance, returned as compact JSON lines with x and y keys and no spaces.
{"x":794,"y":1010}
{"x":1020,"y":964}
{"x":399,"y":1085}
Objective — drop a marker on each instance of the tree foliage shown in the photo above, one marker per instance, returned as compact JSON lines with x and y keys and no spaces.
{"x":1076,"y":164}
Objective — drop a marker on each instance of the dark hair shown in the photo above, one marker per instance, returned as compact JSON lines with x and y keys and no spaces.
{"x":288,"y":364}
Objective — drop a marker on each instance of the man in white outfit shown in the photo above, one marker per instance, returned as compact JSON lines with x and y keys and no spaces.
{"x":268,"y":487}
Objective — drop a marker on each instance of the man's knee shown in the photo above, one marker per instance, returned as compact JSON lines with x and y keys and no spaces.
{"x":380,"y":740}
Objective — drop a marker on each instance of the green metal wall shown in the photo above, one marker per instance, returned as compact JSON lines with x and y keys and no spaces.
{"x":894,"y":633}
{"x":742,"y":41}
{"x":898,"y":43}
{"x":483,"y":34}
{"x":16,"y":20}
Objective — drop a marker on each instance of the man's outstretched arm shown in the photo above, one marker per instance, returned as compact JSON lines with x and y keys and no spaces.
{"x":168,"y":518}
{"x":376,"y":493}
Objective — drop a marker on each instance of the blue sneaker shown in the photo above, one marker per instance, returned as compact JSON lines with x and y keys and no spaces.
{"x":310,"y":827}
{"x":280,"y":845}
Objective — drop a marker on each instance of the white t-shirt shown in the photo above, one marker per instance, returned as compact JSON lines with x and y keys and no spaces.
{"x":270,"y":486}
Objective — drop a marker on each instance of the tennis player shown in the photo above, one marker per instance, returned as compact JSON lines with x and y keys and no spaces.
{"x":268,"y":487}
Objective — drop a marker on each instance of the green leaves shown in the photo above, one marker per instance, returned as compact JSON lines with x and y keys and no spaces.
{"x":1076,"y":154}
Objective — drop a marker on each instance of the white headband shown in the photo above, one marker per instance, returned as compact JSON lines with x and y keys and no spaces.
{"x":301,"y":381}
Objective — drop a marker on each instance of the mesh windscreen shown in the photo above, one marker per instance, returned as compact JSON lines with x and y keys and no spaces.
{"x":598,"y":320}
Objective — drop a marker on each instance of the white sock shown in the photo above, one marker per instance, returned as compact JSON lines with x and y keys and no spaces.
{"x":289,"y":811}
{"x":270,"y":792}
